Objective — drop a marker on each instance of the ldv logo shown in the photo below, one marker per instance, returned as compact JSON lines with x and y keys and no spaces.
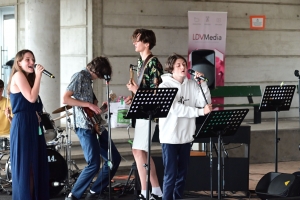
{"x":51,"y":159}
{"x":206,"y":37}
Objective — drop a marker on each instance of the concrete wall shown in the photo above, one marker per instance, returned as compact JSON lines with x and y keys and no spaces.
{"x":76,"y":38}
{"x":262,"y":58}
{"x":262,"y":147}
{"x":91,"y":28}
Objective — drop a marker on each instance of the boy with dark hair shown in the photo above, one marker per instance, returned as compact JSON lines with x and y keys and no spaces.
{"x":81,"y":90}
{"x":177,"y":129}
{"x":148,"y":72}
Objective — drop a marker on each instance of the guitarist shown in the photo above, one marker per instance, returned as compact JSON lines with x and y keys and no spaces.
{"x":79,"y":93}
{"x":149,"y":71}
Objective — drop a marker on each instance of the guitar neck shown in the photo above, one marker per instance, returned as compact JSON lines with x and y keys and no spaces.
{"x":103,"y":108}
{"x":132,"y":94}
{"x":132,"y":68}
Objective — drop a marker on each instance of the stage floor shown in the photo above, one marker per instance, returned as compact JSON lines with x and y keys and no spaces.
{"x":255,"y":174}
{"x":256,"y":171}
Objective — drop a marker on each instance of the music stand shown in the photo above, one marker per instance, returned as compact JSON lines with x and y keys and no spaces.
{"x":218,"y":124}
{"x":150,"y":103}
{"x":277,"y":98}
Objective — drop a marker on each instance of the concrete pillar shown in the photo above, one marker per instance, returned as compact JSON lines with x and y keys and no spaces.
{"x":97,"y":32}
{"x":42,"y":37}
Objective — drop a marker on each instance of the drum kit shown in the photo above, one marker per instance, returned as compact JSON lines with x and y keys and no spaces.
{"x":63,"y":171}
{"x":5,"y":180}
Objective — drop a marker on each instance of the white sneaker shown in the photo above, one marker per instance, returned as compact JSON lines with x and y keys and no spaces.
{"x":155,"y":197}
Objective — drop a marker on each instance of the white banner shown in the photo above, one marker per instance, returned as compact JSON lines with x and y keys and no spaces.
{"x":207,"y":30}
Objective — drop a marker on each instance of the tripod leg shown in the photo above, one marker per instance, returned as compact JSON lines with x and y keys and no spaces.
{"x":73,"y":163}
{"x":126,"y":184}
{"x":129,"y":176}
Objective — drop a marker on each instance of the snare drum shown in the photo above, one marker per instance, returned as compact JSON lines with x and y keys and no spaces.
{"x":4,"y":144}
{"x":49,"y":127}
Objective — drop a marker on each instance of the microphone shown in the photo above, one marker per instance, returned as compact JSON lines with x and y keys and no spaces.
{"x":192,"y":72}
{"x":296,"y":73}
{"x":46,"y":72}
{"x":107,"y":78}
{"x":56,"y":184}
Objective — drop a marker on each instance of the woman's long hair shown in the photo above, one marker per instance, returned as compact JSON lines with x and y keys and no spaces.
{"x":16,"y":68}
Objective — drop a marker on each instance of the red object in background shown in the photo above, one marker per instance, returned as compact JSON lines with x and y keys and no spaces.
{"x":220,"y":67}
{"x":220,"y":76}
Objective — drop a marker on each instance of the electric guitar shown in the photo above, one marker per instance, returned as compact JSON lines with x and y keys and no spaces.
{"x":132,"y":68}
{"x":96,"y":119}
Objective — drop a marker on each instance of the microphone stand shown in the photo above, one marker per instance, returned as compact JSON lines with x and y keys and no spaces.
{"x":211,"y":145}
{"x":224,"y":152}
{"x":211,"y":157}
{"x":109,"y":155}
{"x":298,"y":75}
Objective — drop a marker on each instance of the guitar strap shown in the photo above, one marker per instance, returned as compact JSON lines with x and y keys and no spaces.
{"x":142,"y":70}
{"x":140,"y":75}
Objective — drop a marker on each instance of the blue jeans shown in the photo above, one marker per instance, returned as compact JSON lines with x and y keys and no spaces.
{"x":92,"y":150}
{"x":176,"y":159}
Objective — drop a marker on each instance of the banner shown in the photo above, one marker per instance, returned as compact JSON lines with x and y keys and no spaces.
{"x":207,"y":31}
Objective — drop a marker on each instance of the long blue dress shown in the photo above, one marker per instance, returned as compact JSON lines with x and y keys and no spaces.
{"x":28,"y":152}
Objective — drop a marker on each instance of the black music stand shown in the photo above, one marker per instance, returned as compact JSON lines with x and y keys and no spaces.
{"x":150,"y":103}
{"x":218,"y":124}
{"x":277,"y":98}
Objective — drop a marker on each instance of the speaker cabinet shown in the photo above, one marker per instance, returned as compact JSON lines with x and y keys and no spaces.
{"x":203,"y":60}
{"x":278,"y":185}
{"x":198,"y":177}
{"x":236,"y":169}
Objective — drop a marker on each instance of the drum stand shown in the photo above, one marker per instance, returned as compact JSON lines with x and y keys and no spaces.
{"x":72,"y":174}
{"x":131,"y":184}
{"x":5,"y":183}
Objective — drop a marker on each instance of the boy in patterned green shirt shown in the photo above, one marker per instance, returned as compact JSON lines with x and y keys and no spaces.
{"x":149,"y":71}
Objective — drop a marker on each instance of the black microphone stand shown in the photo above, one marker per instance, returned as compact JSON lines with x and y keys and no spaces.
{"x":297,"y":75}
{"x":211,"y":145}
{"x":109,"y":155}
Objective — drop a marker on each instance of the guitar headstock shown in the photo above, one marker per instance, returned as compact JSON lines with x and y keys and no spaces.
{"x":112,"y":96}
{"x":133,"y":67}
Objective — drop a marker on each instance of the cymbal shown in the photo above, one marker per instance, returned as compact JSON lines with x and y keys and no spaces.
{"x":61,"y":109}
{"x":64,"y":115}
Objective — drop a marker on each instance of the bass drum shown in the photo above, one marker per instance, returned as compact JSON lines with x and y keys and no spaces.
{"x":58,"y":172}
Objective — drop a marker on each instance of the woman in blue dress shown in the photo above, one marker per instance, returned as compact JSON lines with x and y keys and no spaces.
{"x":28,"y":155}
